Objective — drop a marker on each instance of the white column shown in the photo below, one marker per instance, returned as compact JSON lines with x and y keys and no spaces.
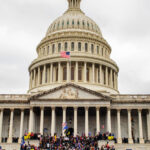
{"x":148,"y":124}
{"x":86,"y":121}
{"x":68,"y":72}
{"x":101,"y":74}
{"x":64,"y":119}
{"x":119,"y":139}
{"x":21,"y":125}
{"x":109,"y":120}
{"x":34,"y":77}
{"x":53,"y":122}
{"x":59,"y":72}
{"x":39,"y":75}
{"x":106,"y":76}
{"x":42,"y":120}
{"x":140,"y":127}
{"x":85,"y":74}
{"x":111,"y":84}
{"x":98,"y":119}
{"x":130,"y":140}
{"x":75,"y":121}
{"x":44,"y":75}
{"x":76,"y":72}
{"x":93,"y":73}
{"x":31,"y":120}
{"x":1,"y":124}
{"x":31,"y":76}
{"x":11,"y":126}
{"x":51,"y":73}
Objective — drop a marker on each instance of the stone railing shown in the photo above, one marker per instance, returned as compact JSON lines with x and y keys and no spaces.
{"x":131,"y":98}
{"x":14,"y":97}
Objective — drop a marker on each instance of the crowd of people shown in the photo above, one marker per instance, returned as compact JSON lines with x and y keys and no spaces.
{"x":71,"y":143}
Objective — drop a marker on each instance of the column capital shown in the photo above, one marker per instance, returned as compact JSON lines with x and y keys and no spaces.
{"x":98,"y":107}
{"x":140,"y":109}
{"x":75,"y":107}
{"x":86,"y":107}
{"x":1,"y":109}
{"x":12,"y":109}
{"x":42,"y":107}
{"x":129,"y":110}
{"x":108,"y":108}
{"x":118,"y":109}
{"x":22,"y":109}
{"x":53,"y":107}
{"x":64,"y":107}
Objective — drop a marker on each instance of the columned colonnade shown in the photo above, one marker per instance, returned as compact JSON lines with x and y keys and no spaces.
{"x":98,"y":124}
{"x":89,"y":72}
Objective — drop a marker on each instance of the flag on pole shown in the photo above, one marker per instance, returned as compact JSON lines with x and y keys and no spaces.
{"x":65,"y":54}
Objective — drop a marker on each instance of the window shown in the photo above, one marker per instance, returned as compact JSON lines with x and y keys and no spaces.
{"x":62,"y":24}
{"x":83,"y":23}
{"x":72,"y":22}
{"x":64,"y":74}
{"x":72,"y":73}
{"x":56,"y":74}
{"x":97,"y":49}
{"x":59,"y":47}
{"x":88,"y":25}
{"x":79,"y":46}
{"x":67,"y":22}
{"x":92,"y":48}
{"x":66,"y":46}
{"x":86,"y":47}
{"x":53,"y":48}
{"x":78,"y":23}
{"x":72,"y":46}
{"x":58,"y":26}
{"x":88,"y":74}
{"x":80,"y":74}
{"x":47,"y":49}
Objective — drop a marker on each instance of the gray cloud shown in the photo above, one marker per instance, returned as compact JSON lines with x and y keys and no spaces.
{"x":124,"y":24}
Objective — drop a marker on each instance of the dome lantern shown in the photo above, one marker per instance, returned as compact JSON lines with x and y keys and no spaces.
{"x":74,"y":4}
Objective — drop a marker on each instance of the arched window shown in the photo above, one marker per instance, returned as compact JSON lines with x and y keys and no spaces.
{"x":92,"y":48}
{"x":88,"y":25}
{"x":58,"y":25}
{"x":62,"y":23}
{"x":97,"y":49}
{"x":78,"y":23}
{"x":79,"y":46}
{"x":64,"y":74}
{"x":66,"y":46}
{"x":88,"y":74}
{"x":73,"y":22}
{"x":83,"y":24}
{"x":80,"y":74}
{"x":59,"y":47}
{"x":53,"y":48}
{"x":72,"y":46}
{"x":72,"y":73}
{"x":68,"y":23}
{"x":86,"y":47}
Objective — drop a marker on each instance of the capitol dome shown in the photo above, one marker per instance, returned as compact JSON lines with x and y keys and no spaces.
{"x":89,"y":64}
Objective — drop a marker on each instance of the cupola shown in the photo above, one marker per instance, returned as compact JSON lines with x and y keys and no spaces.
{"x":74,"y":4}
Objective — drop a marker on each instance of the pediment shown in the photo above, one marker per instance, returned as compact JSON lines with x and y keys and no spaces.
{"x":69,"y":91}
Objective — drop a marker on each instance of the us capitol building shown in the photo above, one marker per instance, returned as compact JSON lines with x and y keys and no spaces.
{"x":81,"y":90}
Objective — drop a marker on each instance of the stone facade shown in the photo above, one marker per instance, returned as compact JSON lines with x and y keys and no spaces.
{"x":82,"y":90}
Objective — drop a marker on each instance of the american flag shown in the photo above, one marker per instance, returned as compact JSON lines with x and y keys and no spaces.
{"x":65,"y":54}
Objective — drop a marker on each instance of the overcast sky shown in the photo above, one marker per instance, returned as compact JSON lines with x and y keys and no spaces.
{"x":125,"y":24}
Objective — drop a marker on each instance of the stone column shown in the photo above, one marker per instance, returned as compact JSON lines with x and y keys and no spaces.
{"x":53,"y":122}
{"x":68,"y":71}
{"x":93,"y":73}
{"x":106,"y":76}
{"x":11,"y":126}
{"x":108,"y":120}
{"x":31,"y":76}
{"x":1,"y":124}
{"x":148,"y":124}
{"x":31,"y":120}
{"x":130,"y":140}
{"x":86,"y":121}
{"x":85,"y":72}
{"x":111,"y":83}
{"x":114,"y":80}
{"x":39,"y":76}
{"x":76,"y":72}
{"x":42,"y":120}
{"x":34,"y":77}
{"x":75,"y":121}
{"x":140,"y":127}
{"x":51,"y":73}
{"x":97,"y":119}
{"x":119,"y":139}
{"x":64,"y":119}
{"x":44,"y":75}
{"x":21,"y":125}
{"x":59,"y":72}
{"x":101,"y":74}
